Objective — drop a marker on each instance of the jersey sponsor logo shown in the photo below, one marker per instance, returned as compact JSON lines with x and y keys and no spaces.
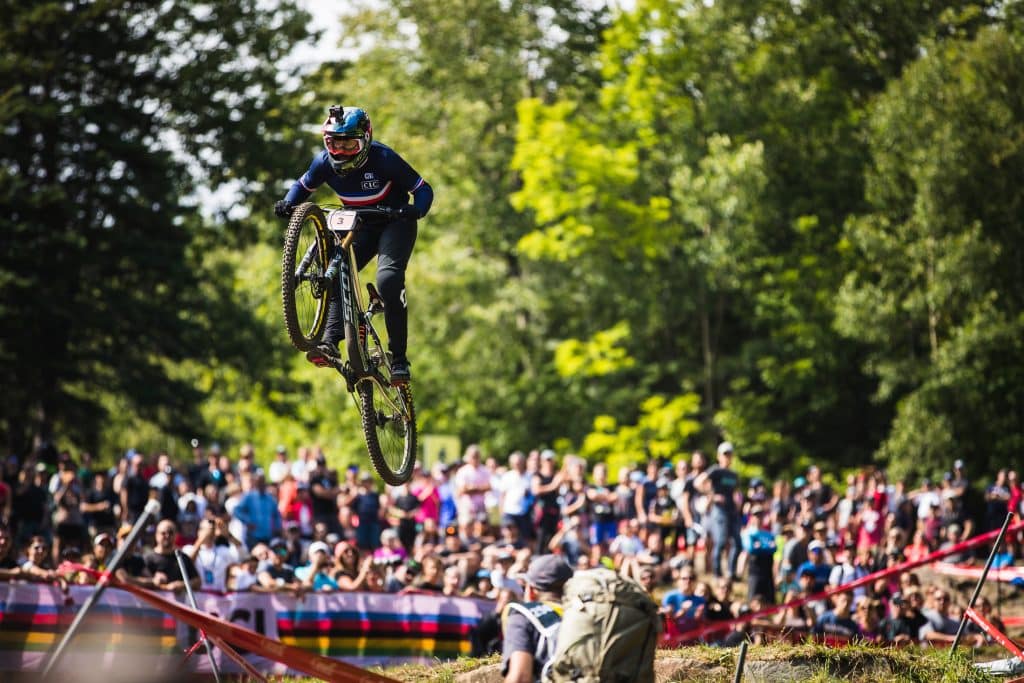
{"x":371,"y":184}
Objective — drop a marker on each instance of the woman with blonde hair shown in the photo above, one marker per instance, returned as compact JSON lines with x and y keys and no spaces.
{"x":349,"y":573}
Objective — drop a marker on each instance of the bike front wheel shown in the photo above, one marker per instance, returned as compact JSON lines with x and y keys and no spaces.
{"x":389,"y":426}
{"x":304,"y":290}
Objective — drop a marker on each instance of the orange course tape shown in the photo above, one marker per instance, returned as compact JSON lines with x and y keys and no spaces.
{"x":217,"y":630}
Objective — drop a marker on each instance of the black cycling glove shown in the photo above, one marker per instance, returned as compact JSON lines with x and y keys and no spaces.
{"x":408,"y":212}
{"x":283,"y":209}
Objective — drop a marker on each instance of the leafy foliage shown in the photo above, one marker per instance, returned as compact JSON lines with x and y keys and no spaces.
{"x":793,"y":225}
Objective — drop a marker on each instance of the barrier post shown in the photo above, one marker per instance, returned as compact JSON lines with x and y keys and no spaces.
{"x":741,"y":660}
{"x":152,"y":508}
{"x":980,"y":584}
{"x":178,"y":555}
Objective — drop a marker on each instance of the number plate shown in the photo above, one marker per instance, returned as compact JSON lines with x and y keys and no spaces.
{"x":342,"y":220}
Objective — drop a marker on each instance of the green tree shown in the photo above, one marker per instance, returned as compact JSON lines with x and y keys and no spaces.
{"x":936,"y":287}
{"x":112,"y":114}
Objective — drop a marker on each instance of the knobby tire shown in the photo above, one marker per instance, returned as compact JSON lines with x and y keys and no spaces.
{"x":310,"y":217}
{"x":383,"y":441}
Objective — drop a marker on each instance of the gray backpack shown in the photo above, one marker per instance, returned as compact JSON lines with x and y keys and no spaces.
{"x":609,"y":631}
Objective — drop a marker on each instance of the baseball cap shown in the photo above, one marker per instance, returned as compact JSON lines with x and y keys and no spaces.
{"x":276,"y":543}
{"x":103,"y":538}
{"x":547,"y":454}
{"x":958,"y":464}
{"x":318,"y":547}
{"x":725,"y":447}
{"x":815,"y":546}
{"x":755,"y":482}
{"x":799,"y":482}
{"x":280,"y":449}
{"x":548,"y":572}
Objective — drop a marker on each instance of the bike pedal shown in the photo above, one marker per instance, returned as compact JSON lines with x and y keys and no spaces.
{"x":376,"y":304}
{"x":321,"y":360}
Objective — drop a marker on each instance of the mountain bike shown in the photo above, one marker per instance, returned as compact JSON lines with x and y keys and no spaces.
{"x":319,"y":264}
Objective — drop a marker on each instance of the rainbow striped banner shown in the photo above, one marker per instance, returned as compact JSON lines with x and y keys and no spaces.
{"x":363,"y":629}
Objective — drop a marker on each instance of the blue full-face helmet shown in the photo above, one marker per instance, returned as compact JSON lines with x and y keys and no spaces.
{"x":347,"y":137}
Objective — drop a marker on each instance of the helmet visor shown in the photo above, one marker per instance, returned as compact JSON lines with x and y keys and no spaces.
{"x":343,"y":146}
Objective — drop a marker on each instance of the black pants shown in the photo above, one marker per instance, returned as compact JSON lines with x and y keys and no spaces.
{"x":392,"y":244}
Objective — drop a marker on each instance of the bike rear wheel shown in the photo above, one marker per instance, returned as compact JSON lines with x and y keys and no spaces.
{"x":304,"y":294}
{"x":389,"y":426}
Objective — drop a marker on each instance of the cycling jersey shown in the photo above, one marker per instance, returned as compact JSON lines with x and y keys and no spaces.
{"x":386,"y":178}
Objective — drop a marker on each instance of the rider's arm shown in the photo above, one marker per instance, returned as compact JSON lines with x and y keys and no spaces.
{"x":422,"y":197}
{"x":408,"y":180}
{"x":313,"y":178}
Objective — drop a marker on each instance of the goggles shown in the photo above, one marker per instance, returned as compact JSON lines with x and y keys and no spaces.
{"x":343,"y":146}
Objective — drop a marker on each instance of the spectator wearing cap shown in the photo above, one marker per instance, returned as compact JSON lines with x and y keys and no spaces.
{"x":315,"y":575}
{"x":273,"y":572}
{"x":257,"y":510}
{"x":280,"y":468}
{"x":528,"y":646}
{"x":720,"y":484}
{"x":759,"y":545}
{"x":545,"y":488}
{"x":102,"y":550}
{"x":816,"y":566}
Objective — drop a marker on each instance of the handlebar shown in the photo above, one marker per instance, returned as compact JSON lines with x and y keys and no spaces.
{"x":371,"y":210}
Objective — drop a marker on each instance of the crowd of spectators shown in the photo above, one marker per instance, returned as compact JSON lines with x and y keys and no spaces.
{"x":707,"y":545}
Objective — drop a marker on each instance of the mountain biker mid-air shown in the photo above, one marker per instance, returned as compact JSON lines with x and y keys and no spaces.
{"x":367,"y":173}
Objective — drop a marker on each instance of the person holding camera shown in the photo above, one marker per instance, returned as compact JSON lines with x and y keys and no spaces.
{"x":214,"y":551}
{"x":316,"y":575}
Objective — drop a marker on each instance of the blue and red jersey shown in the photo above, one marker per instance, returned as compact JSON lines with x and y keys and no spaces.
{"x":386,"y":178}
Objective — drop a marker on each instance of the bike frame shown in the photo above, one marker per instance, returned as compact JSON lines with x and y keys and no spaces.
{"x":358,"y":319}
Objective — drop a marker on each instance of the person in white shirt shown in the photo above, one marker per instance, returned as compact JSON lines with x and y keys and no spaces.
{"x":214,"y":551}
{"x":516,"y":497}
{"x":280,"y":467}
{"x":472,"y":481}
